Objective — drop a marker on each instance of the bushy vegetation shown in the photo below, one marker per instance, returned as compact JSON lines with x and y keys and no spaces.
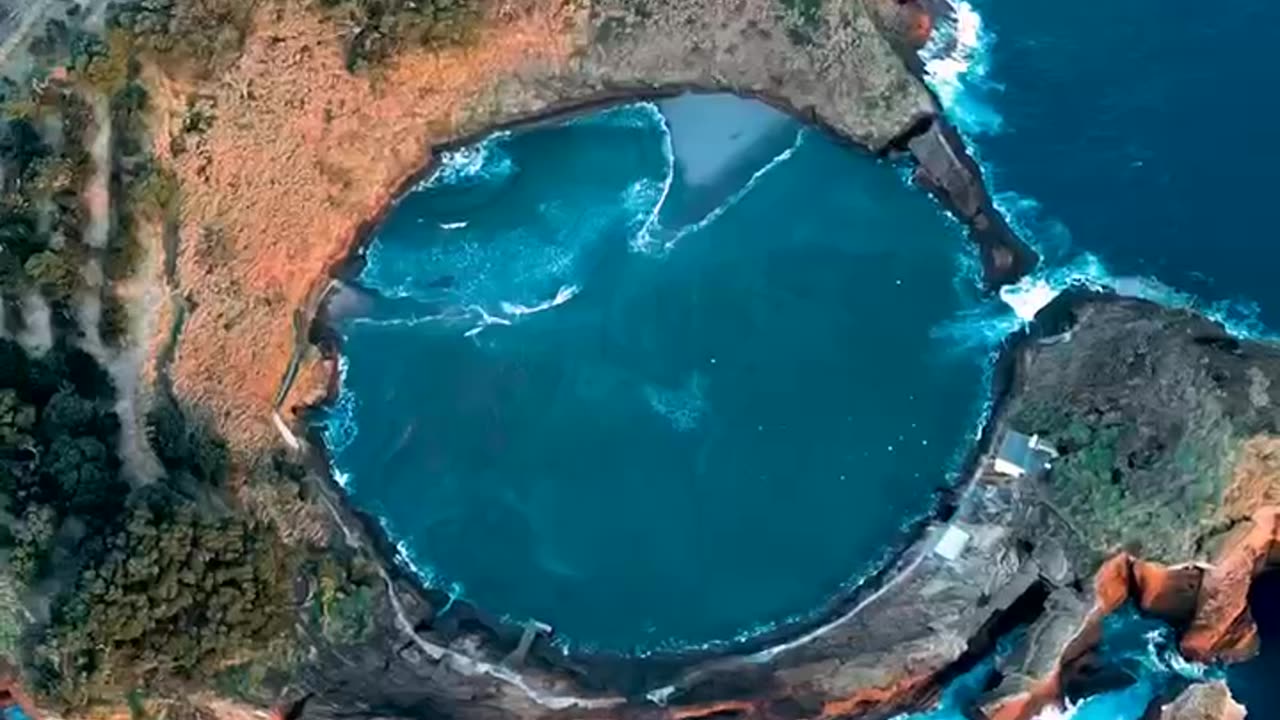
{"x":176,"y":594}
{"x":1123,"y":486}
{"x":203,"y":36}
{"x":341,"y":609}
{"x":140,"y":583}
{"x":153,"y":585}
{"x":57,"y":461}
{"x":378,"y":29}
{"x":35,"y":252}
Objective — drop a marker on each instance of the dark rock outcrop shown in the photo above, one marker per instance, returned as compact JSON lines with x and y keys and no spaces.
{"x":1146,"y":406}
{"x":849,"y":67}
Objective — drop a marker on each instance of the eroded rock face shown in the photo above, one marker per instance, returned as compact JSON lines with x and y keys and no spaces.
{"x":1140,"y":400}
{"x":1204,"y":701}
{"x":304,"y":149}
{"x":835,"y":67}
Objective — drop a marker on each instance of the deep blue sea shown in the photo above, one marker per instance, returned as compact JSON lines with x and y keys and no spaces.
{"x":670,"y":375}
{"x":1130,"y":142}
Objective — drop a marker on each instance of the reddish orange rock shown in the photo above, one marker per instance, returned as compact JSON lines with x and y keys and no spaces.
{"x":693,"y":712}
{"x":1223,"y":628}
{"x":1170,"y":593}
{"x":860,"y":703}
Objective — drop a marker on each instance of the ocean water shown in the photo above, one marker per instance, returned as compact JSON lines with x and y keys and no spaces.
{"x":668,"y":395}
{"x":1130,"y":142}
{"x":679,"y":392}
{"x":1140,"y":649}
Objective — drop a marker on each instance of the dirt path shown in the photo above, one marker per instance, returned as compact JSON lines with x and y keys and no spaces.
{"x":124,"y":365}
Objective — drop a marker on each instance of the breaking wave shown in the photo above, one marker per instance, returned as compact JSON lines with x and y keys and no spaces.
{"x":742,"y":192}
{"x":957,"y":62}
{"x":651,"y":195}
{"x":637,"y":115}
{"x":1158,"y":663}
{"x":482,"y":162}
{"x":983,"y":329}
{"x":339,"y":425}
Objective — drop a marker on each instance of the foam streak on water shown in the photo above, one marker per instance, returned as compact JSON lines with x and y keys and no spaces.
{"x":340,"y":426}
{"x":643,"y":241}
{"x":737,"y":197}
{"x":956,"y":64}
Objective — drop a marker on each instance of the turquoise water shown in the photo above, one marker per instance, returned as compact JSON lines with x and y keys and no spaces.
{"x":653,"y":398}
{"x":662,"y":396}
{"x":1133,"y":646}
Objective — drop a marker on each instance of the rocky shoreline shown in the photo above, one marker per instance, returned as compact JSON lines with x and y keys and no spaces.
{"x":925,"y":619}
{"x":942,"y":167}
{"x":930,"y":617}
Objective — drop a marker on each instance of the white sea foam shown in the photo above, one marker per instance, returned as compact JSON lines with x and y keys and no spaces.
{"x":483,"y":161}
{"x":339,"y":426}
{"x":664,"y":247}
{"x":643,"y":240}
{"x":454,"y":225}
{"x":1032,"y":293}
{"x":486,"y":320}
{"x":957,"y":63}
{"x":638,"y":115}
{"x":563,"y":295}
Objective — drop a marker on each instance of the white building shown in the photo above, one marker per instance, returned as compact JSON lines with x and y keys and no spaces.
{"x":952,"y":543}
{"x":1021,"y":455}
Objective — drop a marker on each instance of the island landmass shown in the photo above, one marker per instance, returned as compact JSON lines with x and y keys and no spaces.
{"x":183,"y":178}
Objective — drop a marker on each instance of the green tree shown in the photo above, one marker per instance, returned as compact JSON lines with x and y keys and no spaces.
{"x":56,"y":273}
{"x":110,"y":72}
{"x":83,"y":472}
{"x":33,"y":537}
{"x":67,"y":412}
{"x":17,"y":420}
{"x":177,"y":594}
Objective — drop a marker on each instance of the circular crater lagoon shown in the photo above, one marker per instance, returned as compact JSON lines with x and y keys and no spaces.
{"x":660,"y":377}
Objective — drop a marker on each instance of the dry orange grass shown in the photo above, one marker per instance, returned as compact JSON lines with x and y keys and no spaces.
{"x":300,"y":154}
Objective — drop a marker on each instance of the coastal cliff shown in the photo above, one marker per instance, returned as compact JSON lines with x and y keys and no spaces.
{"x":1159,"y":497}
{"x":281,"y":184}
{"x":1164,"y":492}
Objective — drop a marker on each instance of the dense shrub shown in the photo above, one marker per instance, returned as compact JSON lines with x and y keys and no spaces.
{"x":58,"y":433}
{"x":203,"y":35}
{"x":163,"y":585}
{"x":378,"y":29}
{"x":188,"y":449}
{"x":177,"y":593}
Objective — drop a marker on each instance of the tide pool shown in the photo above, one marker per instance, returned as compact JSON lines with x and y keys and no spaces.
{"x":656,"y":406}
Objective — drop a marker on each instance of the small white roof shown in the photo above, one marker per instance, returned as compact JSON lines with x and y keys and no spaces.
{"x":953,"y":543}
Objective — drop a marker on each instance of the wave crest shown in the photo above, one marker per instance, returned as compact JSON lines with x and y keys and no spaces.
{"x":957,"y":62}
{"x":484,"y":161}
